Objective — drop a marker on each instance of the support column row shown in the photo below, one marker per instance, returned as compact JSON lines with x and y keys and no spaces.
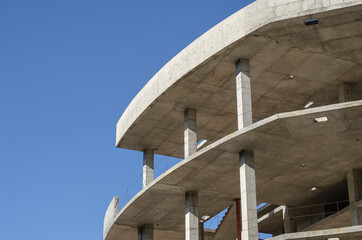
{"x":249,"y":216}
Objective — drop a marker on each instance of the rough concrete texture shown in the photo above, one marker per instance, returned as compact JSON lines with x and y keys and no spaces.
{"x":146,"y":232}
{"x":354,"y":180}
{"x":272,"y":35}
{"x":227,"y":227}
{"x":338,"y":220}
{"x":347,"y":233}
{"x":289,"y":220}
{"x":272,"y":222}
{"x":249,"y":218}
{"x":148,"y":167}
{"x":281,"y":144}
{"x":191,"y":216}
{"x":289,"y":65}
{"x":110,"y":215}
{"x":243,"y":93}
{"x":190,"y":135}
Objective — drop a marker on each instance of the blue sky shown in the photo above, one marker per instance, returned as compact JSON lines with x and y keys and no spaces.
{"x":68,"y":69}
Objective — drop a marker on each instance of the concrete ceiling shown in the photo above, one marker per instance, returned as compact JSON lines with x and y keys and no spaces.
{"x":319,"y":57}
{"x":281,"y":143}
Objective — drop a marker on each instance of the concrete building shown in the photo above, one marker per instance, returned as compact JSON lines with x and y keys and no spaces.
{"x":275,"y":90}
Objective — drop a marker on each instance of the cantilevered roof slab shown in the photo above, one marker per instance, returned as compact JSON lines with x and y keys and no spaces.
{"x":292,"y":152}
{"x":272,"y":34}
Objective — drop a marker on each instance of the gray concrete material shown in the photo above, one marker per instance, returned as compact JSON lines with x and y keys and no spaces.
{"x":345,"y":92}
{"x":124,"y":232}
{"x":249,"y":217}
{"x":272,"y":222}
{"x":347,"y":233}
{"x":145,"y":232}
{"x":191,"y":216}
{"x":328,"y":149}
{"x":148,"y":166}
{"x":277,"y":44}
{"x":190,"y":133}
{"x":290,"y":224}
{"x":110,"y":215}
{"x":201,"y":231}
{"x":354,"y":180}
{"x":243,"y":93}
{"x":267,"y":208}
{"x":227,"y":227}
{"x":337,"y":220}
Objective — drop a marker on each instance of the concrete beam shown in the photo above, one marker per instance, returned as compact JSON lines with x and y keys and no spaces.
{"x":145,"y":232}
{"x":290,"y":225}
{"x":190,"y":133}
{"x":249,"y":215}
{"x":148,"y":166}
{"x":345,"y":93}
{"x":243,"y":93}
{"x":191,"y":216}
{"x":354,"y":180}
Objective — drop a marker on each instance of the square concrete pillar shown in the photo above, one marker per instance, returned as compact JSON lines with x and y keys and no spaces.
{"x":145,"y":232}
{"x":148,"y":166}
{"x":290,"y":225}
{"x":249,"y":217}
{"x":191,"y":216}
{"x":354,"y":180}
{"x":345,"y":93}
{"x":243,"y":93}
{"x":190,"y":133}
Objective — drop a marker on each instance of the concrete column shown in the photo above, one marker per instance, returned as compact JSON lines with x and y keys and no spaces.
{"x":345,"y":93}
{"x":190,"y":134}
{"x":191,"y":216}
{"x":354,"y":180}
{"x":249,"y":216}
{"x":148,"y":162}
{"x":290,"y":225}
{"x":243,"y":93}
{"x":145,"y":232}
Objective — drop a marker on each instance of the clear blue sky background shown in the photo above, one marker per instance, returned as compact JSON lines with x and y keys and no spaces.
{"x":68,"y":69}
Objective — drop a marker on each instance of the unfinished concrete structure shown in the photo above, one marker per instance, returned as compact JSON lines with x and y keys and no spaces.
{"x":275,"y":90}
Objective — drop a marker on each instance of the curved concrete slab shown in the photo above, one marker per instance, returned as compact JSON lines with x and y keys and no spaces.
{"x":292,"y":154}
{"x":273,"y":36}
{"x":346,"y":233}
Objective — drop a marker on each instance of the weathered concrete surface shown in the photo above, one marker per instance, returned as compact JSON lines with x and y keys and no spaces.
{"x":272,"y":222}
{"x":272,"y":35}
{"x":146,"y":232}
{"x":281,"y":144}
{"x":227,"y":227}
{"x":354,"y":179}
{"x":338,"y":220}
{"x":190,"y":132}
{"x":347,"y":233}
{"x":148,"y":167}
{"x":289,"y":215}
{"x":249,"y":216}
{"x":191,"y":216}
{"x":243,"y":93}
{"x":110,"y":215}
